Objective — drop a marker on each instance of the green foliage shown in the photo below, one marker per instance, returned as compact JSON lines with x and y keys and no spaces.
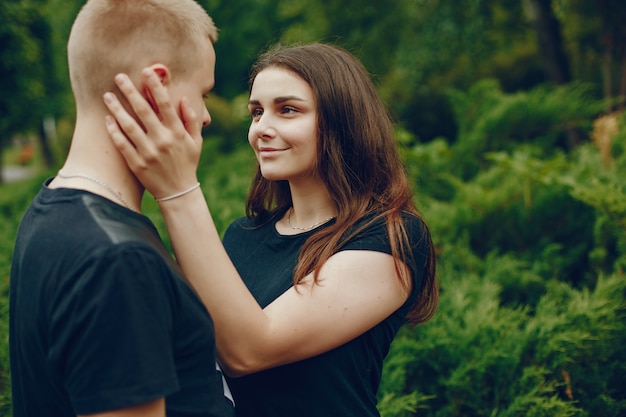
{"x":478,"y":358}
{"x":531,"y":241}
{"x":601,"y":187}
{"x":508,"y":208}
{"x":20,"y":64}
{"x":393,"y":405}
{"x":507,"y":187}
{"x":490,"y":120}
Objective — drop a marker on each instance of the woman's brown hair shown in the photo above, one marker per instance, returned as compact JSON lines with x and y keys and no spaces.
{"x":357,"y":161}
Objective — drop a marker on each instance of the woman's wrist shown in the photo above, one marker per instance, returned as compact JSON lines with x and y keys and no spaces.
{"x":189,"y":202}
{"x":179,"y":194}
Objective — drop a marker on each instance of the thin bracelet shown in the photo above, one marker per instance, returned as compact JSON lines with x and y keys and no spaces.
{"x":182,"y":193}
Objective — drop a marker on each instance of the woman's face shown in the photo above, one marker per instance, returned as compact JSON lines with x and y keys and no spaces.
{"x":283,"y":131}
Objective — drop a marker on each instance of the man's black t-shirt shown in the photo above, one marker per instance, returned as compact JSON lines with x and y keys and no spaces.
{"x":101,"y":318}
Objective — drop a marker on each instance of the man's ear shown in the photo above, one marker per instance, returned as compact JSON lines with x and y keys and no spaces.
{"x":163,"y":72}
{"x":164,"y":75}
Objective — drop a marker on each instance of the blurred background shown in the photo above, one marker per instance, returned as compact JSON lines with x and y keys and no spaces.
{"x":510,"y":121}
{"x":416,"y":51}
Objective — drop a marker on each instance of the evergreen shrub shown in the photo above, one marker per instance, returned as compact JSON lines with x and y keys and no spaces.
{"x":490,"y":120}
{"x":532,"y":248}
{"x":477,"y":357}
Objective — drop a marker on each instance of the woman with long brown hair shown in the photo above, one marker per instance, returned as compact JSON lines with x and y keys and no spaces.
{"x":309,"y":289}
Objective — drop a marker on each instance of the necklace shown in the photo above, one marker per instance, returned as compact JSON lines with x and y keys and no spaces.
{"x":306,"y":229}
{"x":99,"y":182}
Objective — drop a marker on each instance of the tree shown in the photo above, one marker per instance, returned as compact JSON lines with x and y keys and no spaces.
{"x":550,"y":41}
{"x":596,"y":37}
{"x":20,"y":67}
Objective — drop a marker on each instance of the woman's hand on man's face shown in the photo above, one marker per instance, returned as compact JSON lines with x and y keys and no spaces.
{"x":161,"y":146}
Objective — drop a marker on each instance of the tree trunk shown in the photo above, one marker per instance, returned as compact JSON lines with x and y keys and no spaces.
{"x":550,"y":42}
{"x":613,"y":38}
{"x":45,"y":135}
{"x":553,"y":54}
{"x":622,"y":82}
{"x":607,"y":78}
{"x":1,"y":162}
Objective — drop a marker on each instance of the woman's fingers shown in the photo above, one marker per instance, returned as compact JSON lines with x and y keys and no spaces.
{"x":160,"y":99}
{"x":146,"y":116}
{"x":192,"y":123}
{"x":162,"y":121}
{"x":127,"y":127}
{"x":162,"y":105}
{"x":122,"y":143}
{"x":154,"y":141}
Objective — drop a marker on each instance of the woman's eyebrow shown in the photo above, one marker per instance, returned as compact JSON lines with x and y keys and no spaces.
{"x":277,"y":100}
{"x":282,"y":99}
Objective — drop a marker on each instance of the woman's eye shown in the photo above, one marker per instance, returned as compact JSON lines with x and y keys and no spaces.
{"x":256,"y":112}
{"x":289,"y":110}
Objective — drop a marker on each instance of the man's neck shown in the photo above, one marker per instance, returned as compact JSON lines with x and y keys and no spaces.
{"x":94,"y":164}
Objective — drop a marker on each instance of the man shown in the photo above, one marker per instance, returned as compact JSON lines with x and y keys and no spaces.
{"x":101,"y":321}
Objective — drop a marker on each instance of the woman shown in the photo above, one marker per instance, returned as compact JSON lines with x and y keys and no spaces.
{"x":309,"y":289}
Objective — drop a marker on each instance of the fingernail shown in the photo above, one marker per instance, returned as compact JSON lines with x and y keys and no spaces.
{"x":148,"y":73}
{"x":108,"y":98}
{"x":120,"y":79}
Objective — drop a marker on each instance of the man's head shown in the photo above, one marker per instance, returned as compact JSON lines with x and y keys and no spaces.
{"x":113,"y":36}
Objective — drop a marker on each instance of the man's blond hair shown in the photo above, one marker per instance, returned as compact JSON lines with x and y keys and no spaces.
{"x":112,"y":36}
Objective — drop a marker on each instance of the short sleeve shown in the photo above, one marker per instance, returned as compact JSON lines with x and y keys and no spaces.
{"x":375,"y":237}
{"x":110,"y":334}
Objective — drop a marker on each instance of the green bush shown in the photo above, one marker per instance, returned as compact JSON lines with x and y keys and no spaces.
{"x":476,"y":357}
{"x":510,"y":208}
{"x":490,"y":120}
{"x":532,"y":244}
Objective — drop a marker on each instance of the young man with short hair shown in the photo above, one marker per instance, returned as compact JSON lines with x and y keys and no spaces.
{"x":102,"y":322}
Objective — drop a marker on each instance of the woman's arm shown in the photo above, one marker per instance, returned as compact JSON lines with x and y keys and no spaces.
{"x":356,"y":289}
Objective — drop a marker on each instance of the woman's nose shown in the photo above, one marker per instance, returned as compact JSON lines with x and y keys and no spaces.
{"x":263,"y":126}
